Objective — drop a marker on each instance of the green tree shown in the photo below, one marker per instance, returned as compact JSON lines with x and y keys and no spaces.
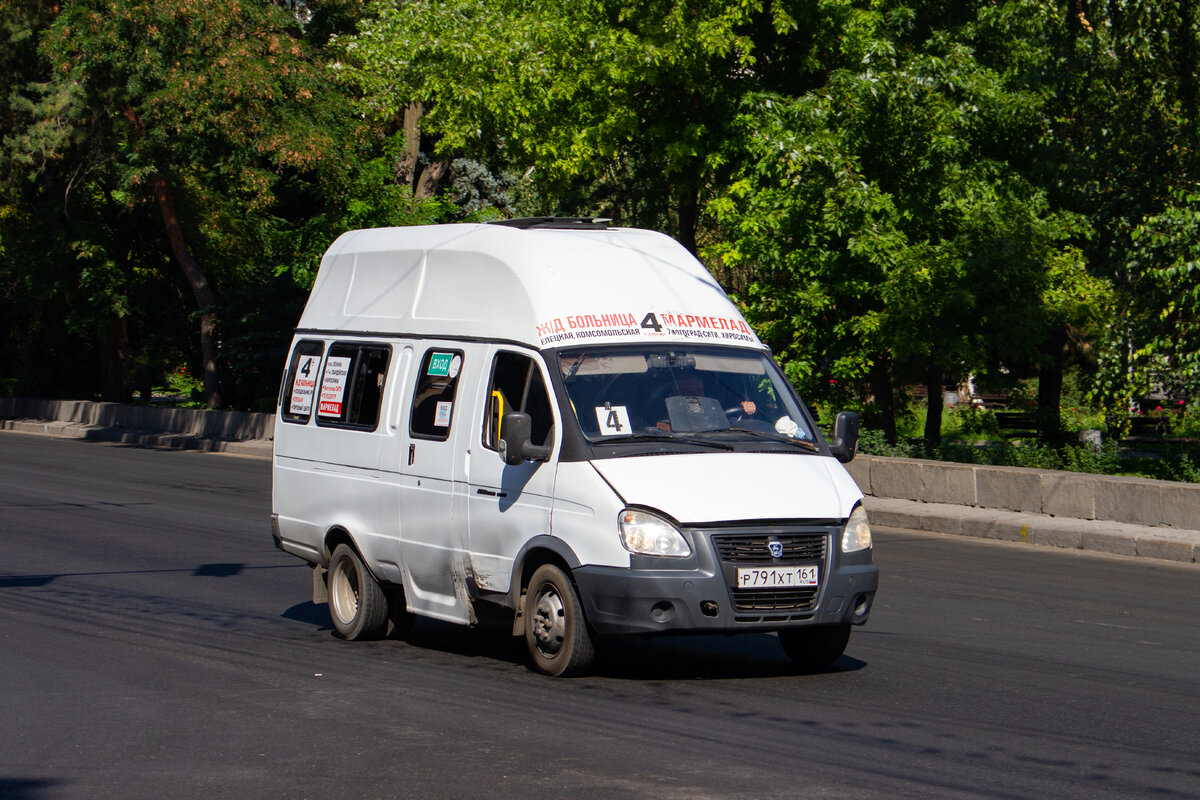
{"x":617,"y":108}
{"x":880,"y":220}
{"x":862,"y":171}
{"x":1120,"y":149}
{"x":212,"y":116}
{"x":1163,"y":317}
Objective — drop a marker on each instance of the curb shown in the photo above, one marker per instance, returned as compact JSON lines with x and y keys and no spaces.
{"x":252,"y":448}
{"x":1054,"y":493}
{"x":1115,"y":538}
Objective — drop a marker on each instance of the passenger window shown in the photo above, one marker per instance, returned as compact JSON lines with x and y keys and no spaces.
{"x":300,"y":383}
{"x":517,"y":385}
{"x":433,"y":397}
{"x":351,"y":392}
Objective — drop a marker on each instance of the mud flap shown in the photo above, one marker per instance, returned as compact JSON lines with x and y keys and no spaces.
{"x":320,"y":588}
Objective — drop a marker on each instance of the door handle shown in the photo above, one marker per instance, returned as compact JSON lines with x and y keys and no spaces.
{"x":490,"y":493}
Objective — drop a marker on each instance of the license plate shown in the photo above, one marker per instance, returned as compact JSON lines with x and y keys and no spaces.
{"x":776,"y":577}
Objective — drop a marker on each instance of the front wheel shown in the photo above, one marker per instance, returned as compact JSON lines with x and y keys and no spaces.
{"x":357,"y":605}
{"x":556,"y":632}
{"x":815,"y":647}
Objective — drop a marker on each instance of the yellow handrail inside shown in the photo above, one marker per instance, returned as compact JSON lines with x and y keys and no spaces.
{"x":499,"y":407}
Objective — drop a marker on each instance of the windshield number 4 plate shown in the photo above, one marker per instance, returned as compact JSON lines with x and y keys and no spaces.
{"x":777,"y":577}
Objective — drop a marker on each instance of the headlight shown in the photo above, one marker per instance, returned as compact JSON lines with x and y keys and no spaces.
{"x":857,"y":535}
{"x":647,"y":534}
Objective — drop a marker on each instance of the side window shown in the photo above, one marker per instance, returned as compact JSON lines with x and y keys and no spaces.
{"x":352,"y":382}
{"x":517,"y":385}
{"x":433,"y":396}
{"x":300,"y":383}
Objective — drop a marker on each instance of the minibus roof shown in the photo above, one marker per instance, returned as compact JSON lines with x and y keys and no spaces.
{"x":544,"y":287}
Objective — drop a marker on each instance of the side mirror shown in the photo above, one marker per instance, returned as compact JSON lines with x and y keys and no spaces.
{"x":514,"y":445}
{"x":844,"y":443}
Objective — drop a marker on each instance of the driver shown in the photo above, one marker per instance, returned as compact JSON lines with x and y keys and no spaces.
{"x":691,"y":384}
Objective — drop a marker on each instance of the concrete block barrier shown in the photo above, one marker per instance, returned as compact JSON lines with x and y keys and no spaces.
{"x":149,"y":426}
{"x":943,"y":482}
{"x":1181,"y":505}
{"x":1068,"y":494}
{"x":897,"y":477}
{"x":1108,"y":498}
{"x":997,"y":487}
{"x":1129,"y":500}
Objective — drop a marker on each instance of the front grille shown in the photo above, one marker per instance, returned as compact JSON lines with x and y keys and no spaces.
{"x":753,"y":549}
{"x":774,"y":599}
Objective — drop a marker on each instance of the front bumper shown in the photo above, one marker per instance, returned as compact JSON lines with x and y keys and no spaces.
{"x":696,"y":595}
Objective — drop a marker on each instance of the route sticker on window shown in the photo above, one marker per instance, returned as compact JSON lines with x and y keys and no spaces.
{"x":304,"y":387}
{"x":442,"y":416}
{"x":333,"y":386}
{"x":614,"y":420}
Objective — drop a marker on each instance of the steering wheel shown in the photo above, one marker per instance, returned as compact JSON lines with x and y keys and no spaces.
{"x":737,"y":412}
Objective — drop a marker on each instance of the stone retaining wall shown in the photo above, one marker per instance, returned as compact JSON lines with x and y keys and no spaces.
{"x":224,"y":425}
{"x":1139,"y":501}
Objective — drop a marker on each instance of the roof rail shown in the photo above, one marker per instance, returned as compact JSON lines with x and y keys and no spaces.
{"x":556,"y":223}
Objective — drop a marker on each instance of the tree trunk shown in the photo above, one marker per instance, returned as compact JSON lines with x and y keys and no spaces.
{"x":114,"y":362}
{"x":406,"y":169}
{"x":432,"y":178}
{"x":688,"y":210}
{"x":205,"y":300}
{"x":1050,"y":380}
{"x":424,"y":182}
{"x":934,"y":403}
{"x":881,"y":388}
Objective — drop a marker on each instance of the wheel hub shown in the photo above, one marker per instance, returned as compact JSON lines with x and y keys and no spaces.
{"x":344,"y":594}
{"x":549,"y":622}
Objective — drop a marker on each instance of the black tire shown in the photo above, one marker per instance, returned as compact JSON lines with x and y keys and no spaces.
{"x":556,"y":632}
{"x":357,"y":605}
{"x":815,"y":647}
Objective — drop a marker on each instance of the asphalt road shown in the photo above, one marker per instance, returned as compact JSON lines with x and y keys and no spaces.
{"x":153,"y":643}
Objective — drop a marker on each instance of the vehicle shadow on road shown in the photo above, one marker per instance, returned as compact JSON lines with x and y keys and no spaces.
{"x":21,"y":789}
{"x":746,"y":655}
{"x":665,"y":658}
{"x":310,"y":613}
{"x":489,"y":639}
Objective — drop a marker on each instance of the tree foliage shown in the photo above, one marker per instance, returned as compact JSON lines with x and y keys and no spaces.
{"x":188,"y":153}
{"x":619,"y":108}
{"x":897,"y":192}
{"x":890,"y":206}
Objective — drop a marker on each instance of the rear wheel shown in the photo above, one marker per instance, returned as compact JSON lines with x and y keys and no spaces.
{"x":815,"y":647}
{"x":556,"y":632}
{"x":357,"y":605}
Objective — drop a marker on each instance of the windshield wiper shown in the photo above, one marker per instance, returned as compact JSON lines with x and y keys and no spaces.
{"x":662,"y":437}
{"x":807,"y":445}
{"x":586,"y":354}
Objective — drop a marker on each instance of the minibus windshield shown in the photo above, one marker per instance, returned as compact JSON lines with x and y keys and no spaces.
{"x":639,"y":393}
